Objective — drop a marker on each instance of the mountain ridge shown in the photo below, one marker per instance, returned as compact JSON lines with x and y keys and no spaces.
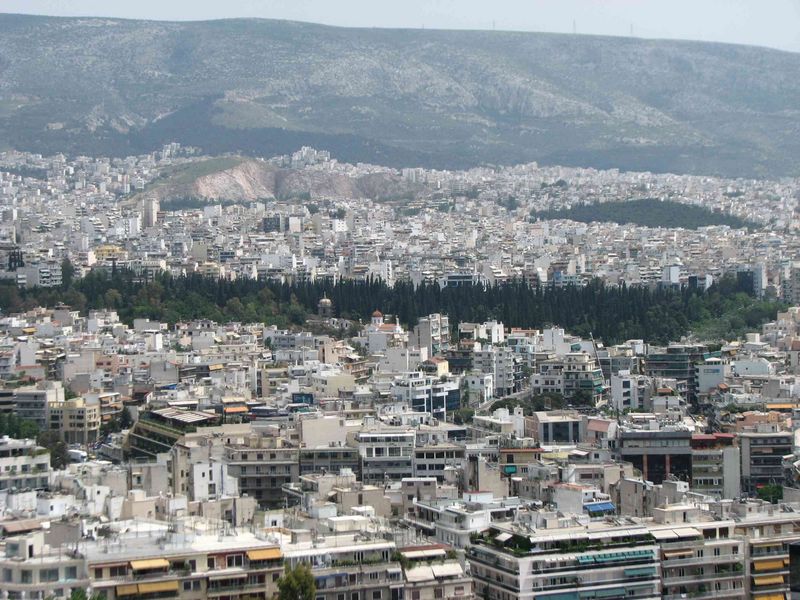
{"x":400,"y":97}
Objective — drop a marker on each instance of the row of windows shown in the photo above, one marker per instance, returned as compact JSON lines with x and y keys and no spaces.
{"x":45,"y":575}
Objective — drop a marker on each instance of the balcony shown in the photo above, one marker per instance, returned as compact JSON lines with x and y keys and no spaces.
{"x":694,"y":577}
{"x":708,"y":595}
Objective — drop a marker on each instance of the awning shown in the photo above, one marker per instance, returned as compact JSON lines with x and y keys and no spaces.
{"x":227,"y":577}
{"x":150,"y":563}
{"x":687,"y":532}
{"x":420,"y":554}
{"x":264,"y":554}
{"x":599,"y":507}
{"x":503,"y":537}
{"x":768,"y":580}
{"x":419,"y":574}
{"x":664,"y":534}
{"x":158,"y":586}
{"x":127,"y":590}
{"x":771,"y":597}
{"x":640,"y":572}
{"x":447,"y":570}
{"x":769,"y":565}
{"x":678,"y":553}
{"x":235,"y":409}
{"x":609,"y":593}
{"x":764,"y":544}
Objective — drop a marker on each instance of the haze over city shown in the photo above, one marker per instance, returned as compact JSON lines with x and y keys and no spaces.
{"x":774,"y":24}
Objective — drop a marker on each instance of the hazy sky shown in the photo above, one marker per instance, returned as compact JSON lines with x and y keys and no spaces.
{"x":774,"y":23}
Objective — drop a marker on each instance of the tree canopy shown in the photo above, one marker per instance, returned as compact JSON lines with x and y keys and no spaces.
{"x":297,"y":583}
{"x":611,"y":313}
{"x":647,"y":212}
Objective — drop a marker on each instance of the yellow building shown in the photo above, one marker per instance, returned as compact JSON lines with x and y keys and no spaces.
{"x":76,"y":420}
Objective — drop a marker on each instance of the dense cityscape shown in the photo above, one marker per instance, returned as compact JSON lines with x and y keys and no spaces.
{"x":293,"y":311}
{"x":415,"y":458}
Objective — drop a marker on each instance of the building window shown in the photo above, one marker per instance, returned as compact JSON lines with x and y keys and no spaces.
{"x":119,"y":571}
{"x":376,"y":595}
{"x":236,"y":560}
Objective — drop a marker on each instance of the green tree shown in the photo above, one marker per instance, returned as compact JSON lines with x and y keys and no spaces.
{"x":59,"y":452}
{"x":297,"y":584}
{"x":772,"y":492}
{"x":80,"y":594}
{"x":67,"y":273}
{"x":462,"y":416}
{"x":28,"y":430}
{"x":125,"y":419}
{"x":113,"y":298}
{"x":110,"y":426}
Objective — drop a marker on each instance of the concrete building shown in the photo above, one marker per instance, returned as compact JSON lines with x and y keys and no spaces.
{"x":433,"y":333}
{"x":23,"y":465}
{"x":762,"y":455}
{"x":657,"y":453}
{"x":386,"y":453}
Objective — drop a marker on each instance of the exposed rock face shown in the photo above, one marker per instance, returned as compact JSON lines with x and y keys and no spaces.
{"x":257,"y":180}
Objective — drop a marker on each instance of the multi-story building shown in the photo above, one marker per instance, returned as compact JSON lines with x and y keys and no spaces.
{"x":503,"y":364}
{"x":157,"y":431}
{"x":768,"y":531}
{"x":431,"y":576}
{"x":77,"y":420}
{"x":427,"y":394}
{"x":716,"y":465}
{"x":348,"y":565}
{"x":23,"y":465}
{"x":557,"y":427}
{"x":432,"y":332}
{"x":239,"y":567}
{"x":329,"y":459}
{"x":263,"y":465}
{"x":762,"y":458}
{"x":432,"y":460}
{"x":701,"y":560}
{"x":676,"y":361}
{"x":32,"y":569}
{"x":657,"y":453}
{"x":386,"y":453}
{"x":630,"y":391}
{"x":33,"y":401}
{"x":575,"y":373}
{"x":511,"y":562}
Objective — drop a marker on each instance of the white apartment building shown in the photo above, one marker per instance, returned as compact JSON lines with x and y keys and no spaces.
{"x":432,"y":332}
{"x":386,"y":453}
{"x":502,"y":364}
{"x":23,"y":465}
